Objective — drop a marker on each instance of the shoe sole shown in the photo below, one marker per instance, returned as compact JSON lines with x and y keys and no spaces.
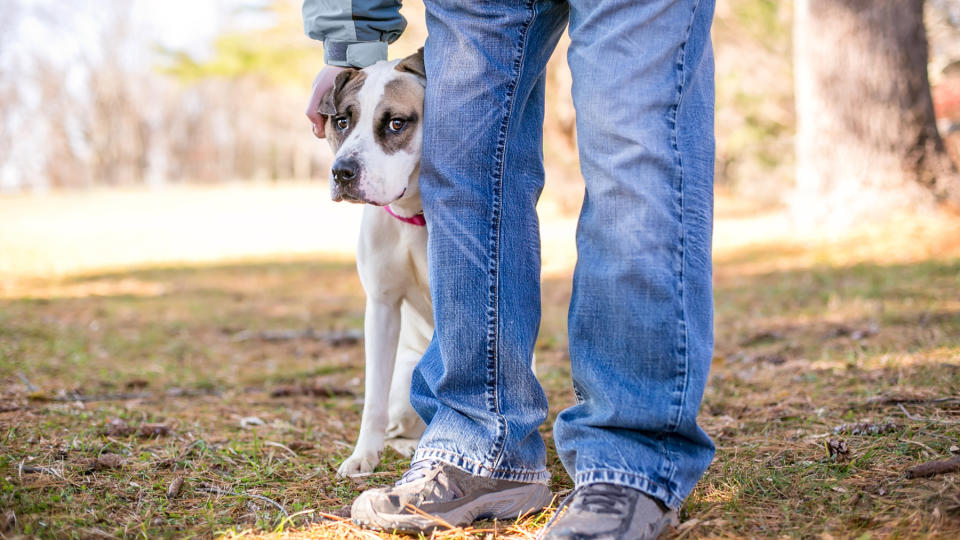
{"x":507,"y":504}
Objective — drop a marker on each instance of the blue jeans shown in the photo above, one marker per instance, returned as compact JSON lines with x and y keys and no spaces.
{"x":640,"y":320}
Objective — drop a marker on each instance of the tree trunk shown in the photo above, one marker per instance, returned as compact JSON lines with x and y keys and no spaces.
{"x":867,"y":141}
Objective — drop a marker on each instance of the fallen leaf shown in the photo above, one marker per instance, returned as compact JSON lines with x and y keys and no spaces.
{"x":116,"y":427}
{"x":105,"y":461}
{"x":298,"y":446}
{"x":775,"y":359}
{"x":153,"y":430}
{"x":762,"y":337}
{"x":174,"y":488}
{"x":250,"y":421}
{"x":855,"y":334}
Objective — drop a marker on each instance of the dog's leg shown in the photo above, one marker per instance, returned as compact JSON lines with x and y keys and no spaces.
{"x":381,"y":323}
{"x":405,"y":427}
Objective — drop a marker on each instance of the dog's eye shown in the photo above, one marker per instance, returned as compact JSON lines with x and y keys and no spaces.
{"x":342,"y":123}
{"x":397,"y":125}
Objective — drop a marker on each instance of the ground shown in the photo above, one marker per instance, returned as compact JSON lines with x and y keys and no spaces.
{"x":837,"y":368}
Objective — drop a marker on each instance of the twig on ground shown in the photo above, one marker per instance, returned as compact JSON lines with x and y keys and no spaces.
{"x":85,"y":399}
{"x":934,"y":468}
{"x":281,"y":446}
{"x":440,"y":521}
{"x":921,"y":445}
{"x":315,"y":391}
{"x":289,"y":519}
{"x":26,"y":382}
{"x":916,"y":418}
{"x":907,"y":413}
{"x":378,"y":474}
{"x":214,"y":489}
{"x":173,"y":392}
{"x":686,"y":527}
{"x":894,"y":400}
{"x":43,"y":470}
{"x":334,"y":338}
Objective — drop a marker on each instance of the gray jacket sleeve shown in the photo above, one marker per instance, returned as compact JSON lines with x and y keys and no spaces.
{"x":354,"y":32}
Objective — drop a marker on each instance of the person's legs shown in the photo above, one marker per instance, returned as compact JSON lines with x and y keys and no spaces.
{"x":640,"y":320}
{"x":481,"y":176}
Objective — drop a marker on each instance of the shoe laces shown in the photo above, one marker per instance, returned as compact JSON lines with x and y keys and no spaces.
{"x":599,"y":498}
{"x":416,"y":471}
{"x":604,"y":498}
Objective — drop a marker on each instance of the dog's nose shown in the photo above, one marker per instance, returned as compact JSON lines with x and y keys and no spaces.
{"x":345,"y":170}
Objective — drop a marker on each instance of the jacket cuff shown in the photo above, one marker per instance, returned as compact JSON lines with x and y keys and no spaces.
{"x":358,"y":54}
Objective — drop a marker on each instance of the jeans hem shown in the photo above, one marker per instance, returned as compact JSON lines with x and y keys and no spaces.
{"x":631,"y":480}
{"x":476,"y":468}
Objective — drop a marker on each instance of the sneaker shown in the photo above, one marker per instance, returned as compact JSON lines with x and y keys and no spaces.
{"x":609,"y":512}
{"x":433,"y":494}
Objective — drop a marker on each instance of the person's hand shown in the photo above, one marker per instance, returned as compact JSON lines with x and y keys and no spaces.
{"x":322,"y":83}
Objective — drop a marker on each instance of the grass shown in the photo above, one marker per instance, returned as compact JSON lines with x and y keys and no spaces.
{"x":812,"y":339}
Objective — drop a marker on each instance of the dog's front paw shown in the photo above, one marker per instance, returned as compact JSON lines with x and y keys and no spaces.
{"x":358,"y":463}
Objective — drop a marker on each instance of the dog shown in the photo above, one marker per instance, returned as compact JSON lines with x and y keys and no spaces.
{"x":374,"y":127}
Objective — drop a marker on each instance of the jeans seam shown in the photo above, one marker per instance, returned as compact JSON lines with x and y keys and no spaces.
{"x":456,"y":459}
{"x":684,"y":352}
{"x":644,"y":483}
{"x":493,"y":332}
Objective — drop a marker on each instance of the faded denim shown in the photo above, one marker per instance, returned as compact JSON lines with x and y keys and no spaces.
{"x":640,"y":320}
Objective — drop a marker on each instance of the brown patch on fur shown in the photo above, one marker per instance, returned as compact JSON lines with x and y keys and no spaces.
{"x":341,"y":100}
{"x":403,"y":99}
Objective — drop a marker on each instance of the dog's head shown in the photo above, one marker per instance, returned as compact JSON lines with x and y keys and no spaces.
{"x":374,"y":119}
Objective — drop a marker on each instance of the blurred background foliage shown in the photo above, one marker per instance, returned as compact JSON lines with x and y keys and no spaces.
{"x":93,"y":113}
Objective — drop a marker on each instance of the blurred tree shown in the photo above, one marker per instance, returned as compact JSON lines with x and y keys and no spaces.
{"x":8,"y":84}
{"x":867,"y":141}
{"x":275,"y":55}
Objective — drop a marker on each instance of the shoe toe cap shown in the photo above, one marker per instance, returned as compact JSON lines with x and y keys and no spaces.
{"x":361,"y":511}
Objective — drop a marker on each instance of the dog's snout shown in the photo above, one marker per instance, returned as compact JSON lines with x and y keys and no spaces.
{"x":345,"y":170}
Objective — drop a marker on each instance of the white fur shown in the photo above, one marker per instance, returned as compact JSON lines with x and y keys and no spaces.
{"x":392,"y":263}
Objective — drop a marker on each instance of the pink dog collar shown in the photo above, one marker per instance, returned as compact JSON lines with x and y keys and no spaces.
{"x":417,"y":220}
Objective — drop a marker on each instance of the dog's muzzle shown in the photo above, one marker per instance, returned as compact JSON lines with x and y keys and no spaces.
{"x":345,"y":174}
{"x":345,"y":171}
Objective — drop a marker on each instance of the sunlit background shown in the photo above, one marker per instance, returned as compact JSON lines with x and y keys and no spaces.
{"x":178,"y":301}
{"x":150,"y":131}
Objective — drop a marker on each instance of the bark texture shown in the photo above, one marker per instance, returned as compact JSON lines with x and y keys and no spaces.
{"x":867,"y":140}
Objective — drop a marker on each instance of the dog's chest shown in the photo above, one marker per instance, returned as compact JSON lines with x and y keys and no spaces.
{"x":392,"y":256}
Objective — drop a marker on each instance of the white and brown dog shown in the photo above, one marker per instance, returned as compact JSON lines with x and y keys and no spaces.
{"x":374,"y":119}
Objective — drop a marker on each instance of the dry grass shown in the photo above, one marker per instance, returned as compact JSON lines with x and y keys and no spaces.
{"x":814,"y":336}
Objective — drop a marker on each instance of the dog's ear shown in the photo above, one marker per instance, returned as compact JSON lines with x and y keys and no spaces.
{"x":328,"y":103}
{"x":413,"y":64}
